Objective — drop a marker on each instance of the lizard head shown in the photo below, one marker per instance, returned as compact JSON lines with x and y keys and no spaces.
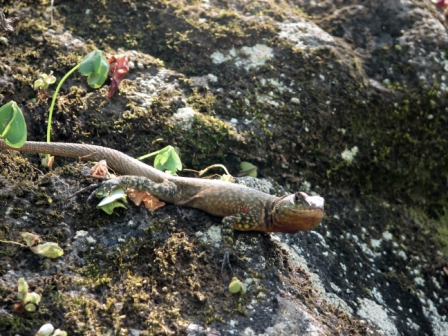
{"x":297,"y":212}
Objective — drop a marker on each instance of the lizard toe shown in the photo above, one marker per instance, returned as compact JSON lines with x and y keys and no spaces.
{"x":226,"y":260}
{"x":104,"y":187}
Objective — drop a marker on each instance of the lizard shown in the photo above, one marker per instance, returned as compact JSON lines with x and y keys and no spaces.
{"x":241,"y":207}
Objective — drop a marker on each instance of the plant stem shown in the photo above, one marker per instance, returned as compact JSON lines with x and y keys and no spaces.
{"x":12,"y":242}
{"x":50,"y":114}
{"x":203,"y":171}
{"x":148,"y":155}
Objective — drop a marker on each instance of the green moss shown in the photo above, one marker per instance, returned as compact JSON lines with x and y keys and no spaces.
{"x":206,"y":142}
{"x":17,"y":324}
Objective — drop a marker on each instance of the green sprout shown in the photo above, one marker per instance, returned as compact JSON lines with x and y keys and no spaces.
{"x":12,"y":125}
{"x":49,"y":250}
{"x":95,"y":66}
{"x":44,"y":81}
{"x":28,"y":300}
{"x":236,"y":286}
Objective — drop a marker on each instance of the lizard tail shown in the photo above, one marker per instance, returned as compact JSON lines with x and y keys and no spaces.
{"x":118,"y":161}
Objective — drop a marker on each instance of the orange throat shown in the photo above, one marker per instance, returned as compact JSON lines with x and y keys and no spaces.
{"x":302,"y":221}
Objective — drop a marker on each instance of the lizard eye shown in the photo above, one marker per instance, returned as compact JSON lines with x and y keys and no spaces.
{"x":299,"y":197}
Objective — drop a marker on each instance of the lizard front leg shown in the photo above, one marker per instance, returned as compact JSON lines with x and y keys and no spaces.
{"x":166,"y":190}
{"x":241,"y":222}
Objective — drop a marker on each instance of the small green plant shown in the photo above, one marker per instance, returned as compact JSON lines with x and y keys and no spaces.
{"x":44,"y":81}
{"x":114,"y":200}
{"x":236,"y":286}
{"x":29,"y":301}
{"x":166,"y":160}
{"x":95,"y":66}
{"x":247,"y":169}
{"x":49,"y":250}
{"x":12,"y":125}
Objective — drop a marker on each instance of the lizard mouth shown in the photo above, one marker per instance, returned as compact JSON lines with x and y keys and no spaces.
{"x":314,"y":202}
{"x":298,"y":212}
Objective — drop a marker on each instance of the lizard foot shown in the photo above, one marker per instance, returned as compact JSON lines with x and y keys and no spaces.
{"x":90,"y":187}
{"x":226,"y":260}
{"x":105,"y":187}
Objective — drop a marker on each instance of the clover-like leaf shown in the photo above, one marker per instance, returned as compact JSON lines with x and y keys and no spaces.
{"x":96,"y":67}
{"x":44,"y":81}
{"x":32,"y":297}
{"x":248,"y":169}
{"x":168,"y":159}
{"x":12,"y":125}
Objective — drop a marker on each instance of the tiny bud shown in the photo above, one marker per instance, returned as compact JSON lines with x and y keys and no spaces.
{"x":45,"y":330}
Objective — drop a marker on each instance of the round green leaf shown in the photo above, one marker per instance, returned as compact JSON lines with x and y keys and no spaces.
{"x":12,"y":125}
{"x":87,"y":64}
{"x":235,"y":286}
{"x":96,"y":67}
{"x":32,"y":297}
{"x":101,"y":70}
{"x":248,"y":169}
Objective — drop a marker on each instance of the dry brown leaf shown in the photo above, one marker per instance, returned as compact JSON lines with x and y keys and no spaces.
{"x":151,"y":202}
{"x":99,"y":170}
{"x":135,"y":196}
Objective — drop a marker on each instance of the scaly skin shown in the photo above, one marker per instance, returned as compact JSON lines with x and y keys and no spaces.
{"x":243,"y":208}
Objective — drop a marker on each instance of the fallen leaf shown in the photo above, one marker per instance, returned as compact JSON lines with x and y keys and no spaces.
{"x":136,"y":196}
{"x":19,"y":308}
{"x":99,"y":170}
{"x":119,"y":67}
{"x":151,"y":202}
{"x":50,"y":162}
{"x":49,"y":250}
{"x":31,"y":239}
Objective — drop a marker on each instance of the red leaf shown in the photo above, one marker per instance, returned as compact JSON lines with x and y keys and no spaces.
{"x":119,"y":67}
{"x":440,"y":3}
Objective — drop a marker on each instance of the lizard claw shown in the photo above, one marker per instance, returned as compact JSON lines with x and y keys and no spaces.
{"x":226,"y":260}
{"x":105,"y":187}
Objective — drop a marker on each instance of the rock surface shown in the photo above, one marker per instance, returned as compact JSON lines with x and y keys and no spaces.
{"x":343,"y":99}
